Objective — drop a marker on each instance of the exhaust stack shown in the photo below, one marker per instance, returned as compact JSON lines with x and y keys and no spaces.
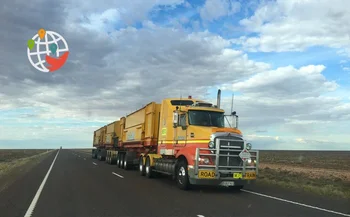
{"x":218,"y":99}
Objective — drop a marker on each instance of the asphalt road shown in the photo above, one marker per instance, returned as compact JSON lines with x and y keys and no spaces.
{"x":78,"y":186}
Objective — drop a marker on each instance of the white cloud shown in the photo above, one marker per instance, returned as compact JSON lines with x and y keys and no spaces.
{"x":214,"y":9}
{"x":105,"y":21}
{"x":295,"y":25}
{"x":345,"y":68}
{"x":306,"y":81}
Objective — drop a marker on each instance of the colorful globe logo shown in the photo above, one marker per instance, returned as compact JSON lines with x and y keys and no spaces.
{"x":47,"y":51}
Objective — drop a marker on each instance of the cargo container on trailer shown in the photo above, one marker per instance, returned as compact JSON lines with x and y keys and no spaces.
{"x":112,"y":140}
{"x":96,"y":142}
{"x":140,"y":135}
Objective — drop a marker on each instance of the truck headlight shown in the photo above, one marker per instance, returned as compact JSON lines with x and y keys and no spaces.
{"x":249,"y":161}
{"x":211,"y":144}
{"x":204,"y":160}
{"x":249,"y":146}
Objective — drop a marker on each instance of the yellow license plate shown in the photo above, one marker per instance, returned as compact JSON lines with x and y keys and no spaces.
{"x":237,"y":175}
{"x":248,"y":175}
{"x":206,"y":174}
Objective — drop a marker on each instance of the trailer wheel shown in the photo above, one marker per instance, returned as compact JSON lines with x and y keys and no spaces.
{"x":125,"y":162}
{"x":182,"y":175}
{"x":122,"y":156}
{"x":113,"y":160}
{"x":141,"y":167}
{"x":118,"y":160}
{"x":149,"y":172}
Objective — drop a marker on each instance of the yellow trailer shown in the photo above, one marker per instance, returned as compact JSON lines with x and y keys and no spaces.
{"x":113,"y":135}
{"x":140,"y":135}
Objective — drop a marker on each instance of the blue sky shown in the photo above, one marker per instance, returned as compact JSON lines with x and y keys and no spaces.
{"x":289,"y":71}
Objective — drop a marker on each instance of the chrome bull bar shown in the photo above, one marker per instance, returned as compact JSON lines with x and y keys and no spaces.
{"x":222,"y":169}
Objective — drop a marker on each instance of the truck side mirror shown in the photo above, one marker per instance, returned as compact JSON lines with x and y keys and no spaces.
{"x":175,"y":119}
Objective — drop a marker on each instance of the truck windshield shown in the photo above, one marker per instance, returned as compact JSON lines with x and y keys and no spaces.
{"x":206,"y":118}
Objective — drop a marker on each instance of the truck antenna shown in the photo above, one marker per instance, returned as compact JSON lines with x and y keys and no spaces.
{"x":180,"y":100}
{"x":233,"y":96}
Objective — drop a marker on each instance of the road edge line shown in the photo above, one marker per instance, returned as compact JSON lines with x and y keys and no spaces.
{"x":296,"y":203}
{"x":37,"y":195}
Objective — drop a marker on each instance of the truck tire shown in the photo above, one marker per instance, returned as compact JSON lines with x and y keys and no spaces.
{"x":125,"y":162}
{"x":122,"y":156}
{"x":118,"y":160}
{"x":113,"y":160}
{"x":141,"y":167}
{"x":182,"y":175}
{"x":149,"y":173}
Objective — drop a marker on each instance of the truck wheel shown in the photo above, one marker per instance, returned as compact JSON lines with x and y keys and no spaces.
{"x":122,"y":156}
{"x":141,"y":167}
{"x":126,"y":165}
{"x":118,"y":160}
{"x":113,"y":160}
{"x":182,"y":176}
{"x":149,"y":172}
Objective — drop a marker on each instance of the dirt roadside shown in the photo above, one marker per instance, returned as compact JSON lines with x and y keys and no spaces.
{"x":13,"y":170}
{"x":313,"y":173}
{"x":327,"y":182}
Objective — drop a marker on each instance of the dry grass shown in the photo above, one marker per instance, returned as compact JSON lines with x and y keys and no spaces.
{"x":310,"y":159}
{"x":8,"y":155}
{"x":321,"y":172}
{"x":13,"y":163}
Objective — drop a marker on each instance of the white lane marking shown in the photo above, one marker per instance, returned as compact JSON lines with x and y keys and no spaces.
{"x":117,"y":175}
{"x":200,"y":216}
{"x":296,"y":203}
{"x":94,"y":163}
{"x":37,"y":195}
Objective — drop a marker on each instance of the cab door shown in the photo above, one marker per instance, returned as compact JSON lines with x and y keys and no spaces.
{"x":181,"y":131}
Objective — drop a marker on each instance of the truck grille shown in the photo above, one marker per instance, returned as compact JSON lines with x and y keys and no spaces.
{"x":230,"y":146}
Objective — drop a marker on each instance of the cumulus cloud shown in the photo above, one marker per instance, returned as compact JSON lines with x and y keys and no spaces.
{"x":109,"y":75}
{"x":214,"y":9}
{"x":115,"y":68}
{"x":306,"y":81}
{"x":295,"y":25}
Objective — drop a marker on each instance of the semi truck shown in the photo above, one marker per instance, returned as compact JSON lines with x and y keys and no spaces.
{"x":184,"y":138}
